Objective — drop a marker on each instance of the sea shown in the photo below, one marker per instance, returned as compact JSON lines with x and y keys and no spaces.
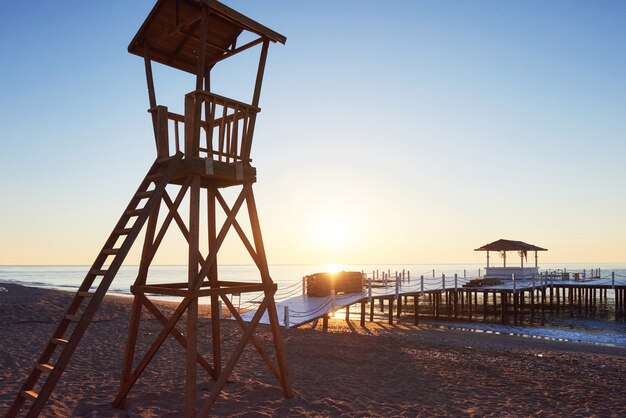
{"x":603,"y":328}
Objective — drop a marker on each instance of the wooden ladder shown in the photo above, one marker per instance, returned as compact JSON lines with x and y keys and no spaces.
{"x":86,"y":300}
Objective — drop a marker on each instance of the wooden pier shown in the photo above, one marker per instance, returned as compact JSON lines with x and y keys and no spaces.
{"x":456,"y":297}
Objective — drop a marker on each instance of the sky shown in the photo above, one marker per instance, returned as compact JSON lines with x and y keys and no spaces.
{"x":390,"y":132}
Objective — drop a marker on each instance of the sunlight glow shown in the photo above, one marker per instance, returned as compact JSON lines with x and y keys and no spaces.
{"x":333,"y":268}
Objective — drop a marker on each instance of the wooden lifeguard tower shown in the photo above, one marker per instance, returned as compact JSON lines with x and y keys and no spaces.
{"x":206,"y":148}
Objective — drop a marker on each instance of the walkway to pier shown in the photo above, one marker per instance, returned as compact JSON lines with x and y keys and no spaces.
{"x":446,"y":296}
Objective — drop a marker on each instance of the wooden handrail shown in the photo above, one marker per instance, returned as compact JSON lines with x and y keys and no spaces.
{"x":180,"y":118}
{"x":227,"y":136}
{"x":225,"y":100}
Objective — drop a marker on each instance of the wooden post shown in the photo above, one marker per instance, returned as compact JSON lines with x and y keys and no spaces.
{"x":192,"y":310}
{"x":151,"y":93}
{"x":484,"y":305}
{"x":390,"y":311}
{"x":267,"y":280}
{"x":190,"y":107}
{"x":211,"y":193}
{"x":286,"y":316}
{"x":162,"y":132}
{"x":455,"y":296}
{"x":515,"y":305}
{"x":247,"y":145}
{"x":146,"y":258}
{"x":397,"y":286}
{"x":551,"y":293}
{"x":362,"y":314}
{"x":416,"y":309}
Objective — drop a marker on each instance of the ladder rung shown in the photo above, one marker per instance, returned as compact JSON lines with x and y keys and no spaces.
{"x":85,"y":294}
{"x":110,"y":251}
{"x":45,"y":367}
{"x":73,"y":318}
{"x":143,"y":195}
{"x":98,"y":272}
{"x":29,"y":394}
{"x":133,"y":212}
{"x":123,"y":231}
{"x":59,"y":341}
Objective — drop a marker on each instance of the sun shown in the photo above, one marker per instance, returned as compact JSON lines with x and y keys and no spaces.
{"x":332,"y":268}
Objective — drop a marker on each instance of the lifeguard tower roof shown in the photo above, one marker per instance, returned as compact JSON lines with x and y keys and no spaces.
{"x":171,"y":33}
{"x":508,"y":245}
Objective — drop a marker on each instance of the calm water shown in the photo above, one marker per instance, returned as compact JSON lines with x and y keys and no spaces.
{"x":289,"y":278}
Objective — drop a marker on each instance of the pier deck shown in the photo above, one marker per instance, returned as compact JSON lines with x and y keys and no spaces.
{"x":449,"y":293}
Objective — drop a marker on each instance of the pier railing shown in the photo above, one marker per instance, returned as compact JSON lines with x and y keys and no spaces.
{"x":384,"y":285}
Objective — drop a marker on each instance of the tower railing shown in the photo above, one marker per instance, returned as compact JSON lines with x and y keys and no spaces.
{"x":223,"y":132}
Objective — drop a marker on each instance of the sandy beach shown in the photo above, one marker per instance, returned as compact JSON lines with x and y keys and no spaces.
{"x":377,"y":371}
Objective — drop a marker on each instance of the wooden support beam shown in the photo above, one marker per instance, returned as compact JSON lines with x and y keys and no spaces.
{"x":192,"y":311}
{"x":154,"y":310}
{"x":151,"y":92}
{"x":162,"y":132}
{"x":212,"y":193}
{"x":265,"y":277}
{"x":247,"y":142}
{"x":230,"y":365}
{"x":212,"y":257}
{"x":135,"y":316}
{"x":152,"y":350}
{"x":362,"y":314}
{"x":253,"y":340}
{"x":232,"y":52}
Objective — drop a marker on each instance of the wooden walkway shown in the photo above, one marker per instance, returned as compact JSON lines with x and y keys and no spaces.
{"x":446,"y":296}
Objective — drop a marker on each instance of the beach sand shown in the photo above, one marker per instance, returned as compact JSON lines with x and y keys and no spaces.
{"x":380,"y":370}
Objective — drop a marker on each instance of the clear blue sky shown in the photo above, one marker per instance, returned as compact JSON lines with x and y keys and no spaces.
{"x":391,"y":131}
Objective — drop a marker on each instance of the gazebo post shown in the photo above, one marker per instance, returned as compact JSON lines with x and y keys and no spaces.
{"x":487,"y":258}
{"x":536,"y":259}
{"x":504,"y":252}
{"x":522,"y":258}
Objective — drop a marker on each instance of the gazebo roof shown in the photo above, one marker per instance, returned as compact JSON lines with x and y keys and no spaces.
{"x":171,"y":33}
{"x":508,"y":245}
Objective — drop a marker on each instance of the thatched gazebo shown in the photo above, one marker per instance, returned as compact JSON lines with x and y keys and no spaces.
{"x":504,"y":272}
